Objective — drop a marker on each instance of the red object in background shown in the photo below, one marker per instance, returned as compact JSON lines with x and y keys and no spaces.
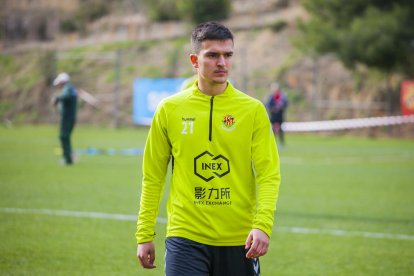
{"x":407,"y":97}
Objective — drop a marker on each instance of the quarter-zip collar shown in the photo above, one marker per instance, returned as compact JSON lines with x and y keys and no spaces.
{"x":197,"y":92}
{"x":210,"y":122}
{"x":226,"y":93}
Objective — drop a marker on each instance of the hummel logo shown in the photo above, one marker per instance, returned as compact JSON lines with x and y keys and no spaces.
{"x":256,"y":267}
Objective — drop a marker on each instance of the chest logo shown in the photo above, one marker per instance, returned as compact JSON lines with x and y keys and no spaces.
{"x":228,"y":123}
{"x":207,"y":166}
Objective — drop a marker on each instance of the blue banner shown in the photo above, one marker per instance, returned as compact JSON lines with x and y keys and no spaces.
{"x":148,"y":93}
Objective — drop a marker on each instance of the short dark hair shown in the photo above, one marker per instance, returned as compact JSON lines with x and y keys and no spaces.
{"x":209,"y":31}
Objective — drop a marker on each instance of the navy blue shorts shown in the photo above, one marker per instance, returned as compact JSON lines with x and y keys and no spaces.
{"x":184,"y":257}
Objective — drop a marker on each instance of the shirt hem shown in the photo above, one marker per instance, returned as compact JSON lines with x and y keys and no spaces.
{"x":209,"y":241}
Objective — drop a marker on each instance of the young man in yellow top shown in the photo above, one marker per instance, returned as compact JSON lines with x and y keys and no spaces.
{"x":225,"y":170}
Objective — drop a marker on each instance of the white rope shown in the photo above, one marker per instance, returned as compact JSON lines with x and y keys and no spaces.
{"x":346,"y":124}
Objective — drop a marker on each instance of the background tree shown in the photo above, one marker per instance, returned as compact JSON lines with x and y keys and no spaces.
{"x":88,"y":11}
{"x":198,"y":11}
{"x":376,"y":33}
{"x":194,"y":11}
{"x":162,"y":10}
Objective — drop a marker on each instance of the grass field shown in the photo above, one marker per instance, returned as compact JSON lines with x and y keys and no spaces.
{"x":346,"y":206}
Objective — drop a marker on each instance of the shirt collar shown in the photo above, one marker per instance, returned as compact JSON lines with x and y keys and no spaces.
{"x":229,"y":89}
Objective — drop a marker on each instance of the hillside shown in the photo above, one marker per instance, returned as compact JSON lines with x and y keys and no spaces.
{"x":317,"y":89}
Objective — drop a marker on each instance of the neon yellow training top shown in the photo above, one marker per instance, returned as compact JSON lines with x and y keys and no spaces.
{"x":221,"y":147}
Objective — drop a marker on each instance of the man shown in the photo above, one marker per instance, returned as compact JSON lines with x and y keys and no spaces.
{"x":276,"y":105}
{"x":220,"y":144}
{"x":66,"y":103}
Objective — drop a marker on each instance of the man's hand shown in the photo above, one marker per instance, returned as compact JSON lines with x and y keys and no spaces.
{"x":146,"y":254}
{"x":257,"y":243}
{"x":54,"y":101}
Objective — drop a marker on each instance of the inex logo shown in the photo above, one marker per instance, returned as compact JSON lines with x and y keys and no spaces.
{"x":207,"y":166}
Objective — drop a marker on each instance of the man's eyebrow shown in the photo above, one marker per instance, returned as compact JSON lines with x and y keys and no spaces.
{"x":219,"y":52}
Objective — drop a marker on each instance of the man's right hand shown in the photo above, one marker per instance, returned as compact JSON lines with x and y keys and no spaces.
{"x":53,"y":101}
{"x":146,"y":254}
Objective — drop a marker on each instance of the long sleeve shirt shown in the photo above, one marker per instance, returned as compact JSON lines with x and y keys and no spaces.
{"x":225,"y":178}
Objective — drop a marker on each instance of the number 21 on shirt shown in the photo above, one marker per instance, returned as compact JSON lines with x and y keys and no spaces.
{"x":188,"y":127}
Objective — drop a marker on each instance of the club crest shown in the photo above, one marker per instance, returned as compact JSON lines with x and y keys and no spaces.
{"x":228,"y":123}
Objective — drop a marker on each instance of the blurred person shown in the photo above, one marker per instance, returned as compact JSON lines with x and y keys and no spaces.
{"x":276,"y":105}
{"x":221,"y":146}
{"x":66,"y":103}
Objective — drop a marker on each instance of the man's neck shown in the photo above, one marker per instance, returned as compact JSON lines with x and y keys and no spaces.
{"x":212,"y":89}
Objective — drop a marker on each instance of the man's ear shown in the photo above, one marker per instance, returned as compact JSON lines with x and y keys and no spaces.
{"x":194,"y":60}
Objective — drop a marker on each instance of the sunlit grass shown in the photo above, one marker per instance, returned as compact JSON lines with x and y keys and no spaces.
{"x":329,"y":183}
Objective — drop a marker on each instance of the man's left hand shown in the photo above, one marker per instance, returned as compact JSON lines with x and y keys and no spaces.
{"x":257,"y":243}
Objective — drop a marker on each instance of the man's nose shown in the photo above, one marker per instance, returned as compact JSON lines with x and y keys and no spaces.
{"x":221,"y":60}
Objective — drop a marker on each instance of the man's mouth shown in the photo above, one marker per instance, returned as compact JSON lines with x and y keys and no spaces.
{"x":220,"y":71}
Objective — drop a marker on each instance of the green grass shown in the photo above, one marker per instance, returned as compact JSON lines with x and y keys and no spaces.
{"x":329,"y":183}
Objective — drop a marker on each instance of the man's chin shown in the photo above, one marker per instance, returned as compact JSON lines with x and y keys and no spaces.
{"x":220,"y":80}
